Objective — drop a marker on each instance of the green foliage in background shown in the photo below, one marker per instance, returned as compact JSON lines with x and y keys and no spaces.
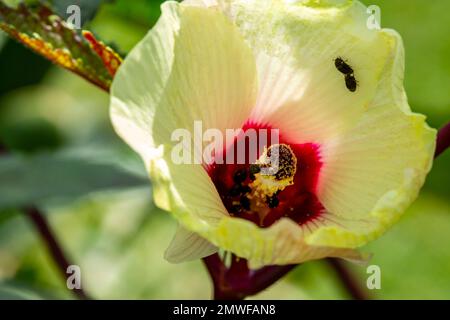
{"x":52,"y":119}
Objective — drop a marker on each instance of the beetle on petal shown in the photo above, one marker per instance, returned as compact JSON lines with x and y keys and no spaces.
{"x":352,"y":161}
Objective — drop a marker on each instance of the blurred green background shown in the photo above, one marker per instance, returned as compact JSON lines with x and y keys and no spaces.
{"x":99,"y":202}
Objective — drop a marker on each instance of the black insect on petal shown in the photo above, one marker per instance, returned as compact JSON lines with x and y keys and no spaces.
{"x":351,"y":82}
{"x":342,"y":66}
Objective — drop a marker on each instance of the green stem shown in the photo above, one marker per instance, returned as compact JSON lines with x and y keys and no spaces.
{"x":348,"y":279}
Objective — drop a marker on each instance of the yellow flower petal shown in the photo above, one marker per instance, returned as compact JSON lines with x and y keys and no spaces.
{"x":192,"y":66}
{"x":296,"y":45}
{"x":187,"y":245}
{"x":196,"y":65}
{"x":372,"y":173}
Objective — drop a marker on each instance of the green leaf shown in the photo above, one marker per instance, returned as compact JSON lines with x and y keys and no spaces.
{"x":36,"y":26}
{"x":16,"y":292}
{"x":3,"y":39}
{"x":143,"y":12}
{"x":30,"y":136}
{"x":66,"y":175}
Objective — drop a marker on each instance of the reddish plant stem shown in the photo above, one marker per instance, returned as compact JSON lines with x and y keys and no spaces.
{"x":229,"y":284}
{"x":348,"y":279}
{"x":265,"y":277}
{"x":238,"y":281}
{"x":443,"y":140}
{"x":47,"y":235}
{"x":52,"y":244}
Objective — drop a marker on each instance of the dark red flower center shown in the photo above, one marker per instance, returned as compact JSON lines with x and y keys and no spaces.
{"x":288,"y":192}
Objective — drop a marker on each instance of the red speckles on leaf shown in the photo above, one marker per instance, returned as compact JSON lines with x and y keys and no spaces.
{"x":38,"y":28}
{"x":109,"y":57}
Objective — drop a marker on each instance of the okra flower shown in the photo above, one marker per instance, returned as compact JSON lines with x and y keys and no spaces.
{"x":353,"y":155}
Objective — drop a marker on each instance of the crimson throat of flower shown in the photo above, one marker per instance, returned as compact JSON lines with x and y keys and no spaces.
{"x":250,"y":192}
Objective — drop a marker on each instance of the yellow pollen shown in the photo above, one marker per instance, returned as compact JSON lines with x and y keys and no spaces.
{"x":277,"y":167}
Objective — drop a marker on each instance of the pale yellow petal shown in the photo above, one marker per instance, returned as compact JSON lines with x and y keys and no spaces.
{"x":187,"y":245}
{"x":375,"y":171}
{"x":193,"y":66}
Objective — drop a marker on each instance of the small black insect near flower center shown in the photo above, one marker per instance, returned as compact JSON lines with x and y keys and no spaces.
{"x":344,"y":67}
{"x":350,"y":82}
